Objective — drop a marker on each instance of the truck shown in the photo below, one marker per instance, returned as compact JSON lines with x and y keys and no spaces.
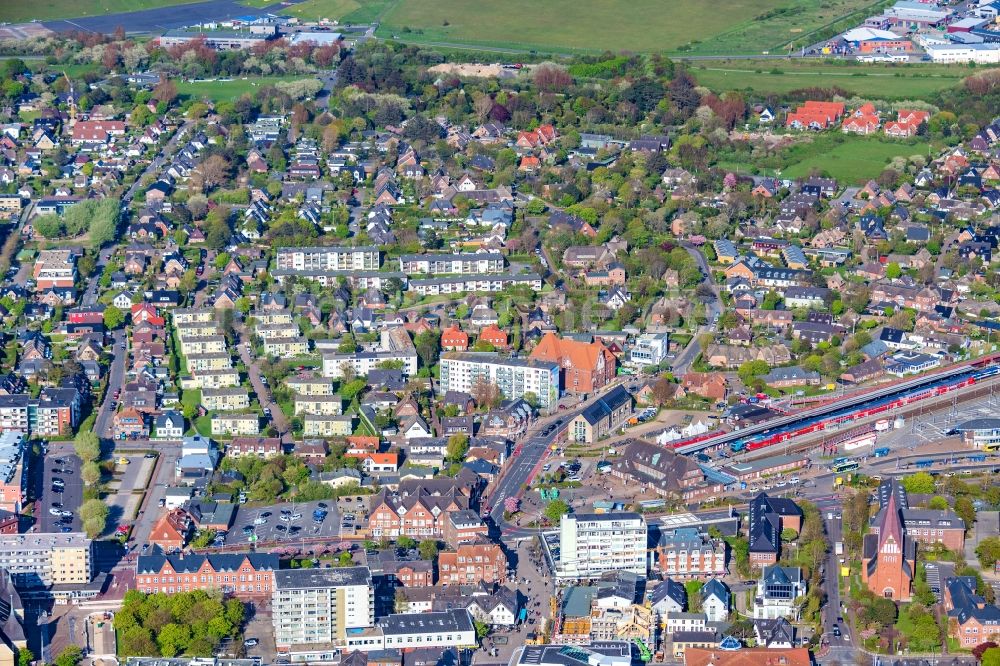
{"x":839,"y":548}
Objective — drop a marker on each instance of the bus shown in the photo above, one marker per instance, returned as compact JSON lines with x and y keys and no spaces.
{"x":991,"y":446}
{"x":837,"y":461}
{"x":882,"y":452}
{"x":846,"y":466}
{"x":924,"y":464}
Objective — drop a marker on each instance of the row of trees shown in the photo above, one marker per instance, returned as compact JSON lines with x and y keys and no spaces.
{"x":93,"y":512}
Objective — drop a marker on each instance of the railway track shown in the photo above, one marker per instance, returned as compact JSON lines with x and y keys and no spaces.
{"x":922,"y":408}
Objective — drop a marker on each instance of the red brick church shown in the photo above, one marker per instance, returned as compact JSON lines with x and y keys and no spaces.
{"x":889,"y":558}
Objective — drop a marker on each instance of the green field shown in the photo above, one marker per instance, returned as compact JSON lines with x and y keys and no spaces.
{"x":346,"y":11}
{"x":18,"y":11}
{"x":739,"y":26}
{"x":855,"y":160}
{"x":228,"y":90}
{"x":912,"y":81}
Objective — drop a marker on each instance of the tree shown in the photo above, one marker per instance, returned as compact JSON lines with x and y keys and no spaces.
{"x":428,"y":549}
{"x":213,"y":171}
{"x":893,"y":271}
{"x":938,"y":503}
{"x":458,"y":446}
{"x":49,"y":226}
{"x":991,"y":657}
{"x":90,"y":473}
{"x":406,"y":543}
{"x":94,"y":514}
{"x":966,"y":511}
{"x":428,"y":344}
{"x":165,"y":91}
{"x":988,"y":552}
{"x":978,"y":651}
{"x":70,"y":656}
{"x":87,"y":446}
{"x":25,"y":657}
{"x":555,"y":510}
{"x":750,"y":370}
{"x":486,"y":394}
{"x":482,"y":629}
{"x":920,"y":483}
{"x":113,"y":317}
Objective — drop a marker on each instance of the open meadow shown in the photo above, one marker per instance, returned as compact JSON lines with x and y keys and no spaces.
{"x":903,"y":81}
{"x":737,"y":26}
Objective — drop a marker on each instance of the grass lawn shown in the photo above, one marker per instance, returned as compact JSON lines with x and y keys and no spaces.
{"x":854,"y":160}
{"x":879,"y":81}
{"x":22,"y":12}
{"x":228,"y":90}
{"x":737,"y":26}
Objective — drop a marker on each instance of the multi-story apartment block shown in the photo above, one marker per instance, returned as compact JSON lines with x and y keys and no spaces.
{"x":213,"y":379}
{"x":193,"y":315}
{"x":459,"y":264}
{"x":14,"y":412}
{"x":515,"y":377}
{"x":225,"y":399}
{"x":778,"y":591}
{"x":329,"y":258}
{"x":394,"y":345}
{"x":236,"y":424}
{"x":55,"y":412}
{"x":243,"y":575}
{"x":325,"y":405}
{"x":307,"y":385}
{"x":686,"y":553}
{"x":318,"y":425}
{"x":203,"y":344}
{"x":196,"y":329}
{"x":474,"y":282}
{"x":471,"y":563}
{"x":286,"y":346}
{"x":592,"y":543}
{"x":214,"y":361}
{"x":320,"y":606}
{"x":13,"y":479}
{"x":40,"y":559}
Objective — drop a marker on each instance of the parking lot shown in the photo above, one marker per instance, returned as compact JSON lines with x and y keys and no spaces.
{"x":285,"y":523}
{"x":60,"y":464}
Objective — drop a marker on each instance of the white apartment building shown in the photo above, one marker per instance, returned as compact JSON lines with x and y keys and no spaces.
{"x":394,"y":345}
{"x":317,"y":606}
{"x":464,"y":263}
{"x":649,"y":349}
{"x":591,"y":544}
{"x":461,"y":371}
{"x":329,"y":258}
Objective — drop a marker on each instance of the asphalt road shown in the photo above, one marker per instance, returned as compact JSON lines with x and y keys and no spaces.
{"x":159,"y":19}
{"x":713,"y":308}
{"x":72,"y":495}
{"x":116,"y":380}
